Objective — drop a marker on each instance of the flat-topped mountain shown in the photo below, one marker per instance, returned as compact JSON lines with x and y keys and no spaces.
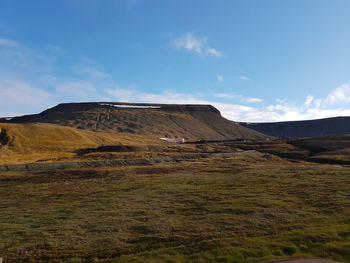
{"x":299,"y":129}
{"x":192,"y":122}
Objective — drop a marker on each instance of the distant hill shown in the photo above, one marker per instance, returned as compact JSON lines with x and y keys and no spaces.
{"x":192,"y":122}
{"x":299,"y":129}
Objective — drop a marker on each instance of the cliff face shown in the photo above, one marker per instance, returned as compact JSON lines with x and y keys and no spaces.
{"x":299,"y":129}
{"x":192,"y":122}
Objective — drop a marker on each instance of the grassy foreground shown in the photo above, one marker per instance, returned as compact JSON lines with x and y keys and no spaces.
{"x":210,"y":210}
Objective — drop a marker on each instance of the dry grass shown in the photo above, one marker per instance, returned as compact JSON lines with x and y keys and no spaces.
{"x":240,"y":209}
{"x":39,"y":141}
{"x":243,"y":209}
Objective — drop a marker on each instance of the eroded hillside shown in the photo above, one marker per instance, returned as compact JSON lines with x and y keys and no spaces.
{"x":192,"y":122}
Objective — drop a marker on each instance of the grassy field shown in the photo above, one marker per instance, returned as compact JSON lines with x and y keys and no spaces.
{"x":209,"y":210}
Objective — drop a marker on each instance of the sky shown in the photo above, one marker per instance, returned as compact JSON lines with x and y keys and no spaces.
{"x":254,"y":60}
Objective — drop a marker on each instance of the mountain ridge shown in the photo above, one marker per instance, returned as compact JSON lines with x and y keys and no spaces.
{"x":304,"y":128}
{"x":188,"y":121}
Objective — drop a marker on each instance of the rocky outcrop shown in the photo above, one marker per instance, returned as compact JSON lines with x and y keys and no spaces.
{"x":4,"y":138}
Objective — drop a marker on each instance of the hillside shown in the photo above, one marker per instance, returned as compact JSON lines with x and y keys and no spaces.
{"x":34,"y":141}
{"x":192,"y":122}
{"x":299,"y":129}
{"x":78,"y":195}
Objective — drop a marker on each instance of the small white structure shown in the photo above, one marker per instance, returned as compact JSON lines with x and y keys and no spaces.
{"x":173,"y":140}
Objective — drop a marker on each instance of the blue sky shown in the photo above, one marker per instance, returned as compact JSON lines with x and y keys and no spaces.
{"x":255,"y":60}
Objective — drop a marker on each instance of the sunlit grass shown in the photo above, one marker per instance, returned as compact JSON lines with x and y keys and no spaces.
{"x":209,"y":210}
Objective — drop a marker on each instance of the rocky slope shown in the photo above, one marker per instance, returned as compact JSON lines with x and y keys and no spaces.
{"x":192,"y":122}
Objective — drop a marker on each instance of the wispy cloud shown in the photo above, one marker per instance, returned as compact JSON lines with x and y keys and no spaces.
{"x":91,"y":72}
{"x":22,"y":93}
{"x":192,"y":43}
{"x":18,"y":58}
{"x":28,"y":84}
{"x":226,"y":96}
{"x":20,"y":97}
{"x":8,"y":43}
{"x":253,"y":100}
{"x":214,"y":52}
{"x":240,"y":97}
{"x":220,"y":78}
{"x":243,"y":78}
{"x":77,"y":90}
{"x":29,"y":81}
{"x":309,"y":99}
{"x":131,"y":94}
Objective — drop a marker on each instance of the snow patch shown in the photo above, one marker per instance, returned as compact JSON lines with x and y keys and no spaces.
{"x":130,"y":106}
{"x":173,"y":140}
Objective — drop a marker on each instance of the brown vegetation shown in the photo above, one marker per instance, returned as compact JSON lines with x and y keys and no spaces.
{"x":125,"y":196}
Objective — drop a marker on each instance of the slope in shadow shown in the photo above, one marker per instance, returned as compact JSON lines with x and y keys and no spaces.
{"x":299,"y":129}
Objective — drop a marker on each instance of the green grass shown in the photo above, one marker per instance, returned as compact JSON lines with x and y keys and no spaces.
{"x":228,"y":210}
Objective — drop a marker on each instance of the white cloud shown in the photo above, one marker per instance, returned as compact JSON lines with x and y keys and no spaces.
{"x":189,"y":42}
{"x":240,"y":97}
{"x":28,"y":82}
{"x":25,"y":97}
{"x":9,"y":43}
{"x":28,"y":85}
{"x":231,"y":111}
{"x":18,"y":58}
{"x":281,"y":111}
{"x":225,"y":96}
{"x":198,"y":45}
{"x":78,"y":90}
{"x":335,"y":104}
{"x":309,"y":99}
{"x":91,"y":72}
{"x":214,"y":52}
{"x":234,"y":112}
{"x":22,"y":93}
{"x":20,"y":97}
{"x":253,"y":100}
{"x":132,"y":95}
{"x":313,"y":108}
{"x":220,"y":78}
{"x":338,"y":95}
